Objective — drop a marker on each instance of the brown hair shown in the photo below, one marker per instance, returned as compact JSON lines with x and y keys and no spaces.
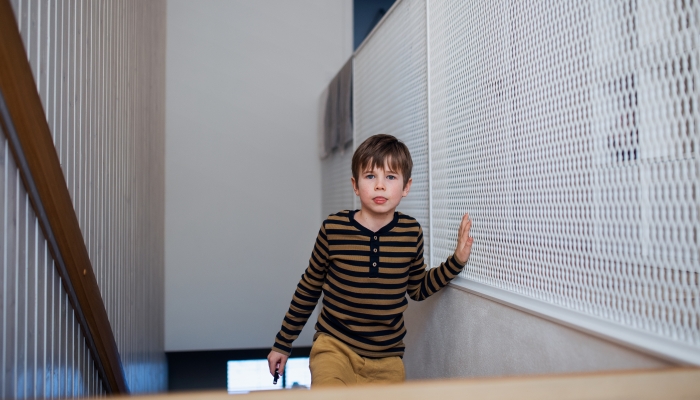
{"x":379,"y":150}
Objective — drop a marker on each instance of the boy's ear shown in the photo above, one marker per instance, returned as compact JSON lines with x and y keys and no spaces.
{"x":407,"y":187}
{"x":354,"y":186}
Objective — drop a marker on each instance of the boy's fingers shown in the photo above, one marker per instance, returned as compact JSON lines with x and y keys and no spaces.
{"x":465,"y":226}
{"x":275,"y":361}
{"x":271,"y":363}
{"x":460,"y":234}
{"x":282,"y":363}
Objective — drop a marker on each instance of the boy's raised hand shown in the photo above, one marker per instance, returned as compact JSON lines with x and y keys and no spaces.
{"x":276,"y":361}
{"x":464,"y":241}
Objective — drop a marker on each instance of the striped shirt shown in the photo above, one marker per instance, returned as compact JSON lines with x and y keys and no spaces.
{"x":364,"y":277}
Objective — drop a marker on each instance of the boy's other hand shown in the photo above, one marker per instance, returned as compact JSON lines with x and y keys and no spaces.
{"x":464,"y":241}
{"x":276,"y":360}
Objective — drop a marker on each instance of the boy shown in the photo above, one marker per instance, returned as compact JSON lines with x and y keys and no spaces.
{"x":365,"y":262}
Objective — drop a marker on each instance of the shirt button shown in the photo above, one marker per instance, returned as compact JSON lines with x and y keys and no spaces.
{"x":375,"y":238}
{"x":374,"y":264}
{"x":375,"y":250}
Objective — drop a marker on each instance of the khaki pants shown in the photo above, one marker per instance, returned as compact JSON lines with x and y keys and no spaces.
{"x":333,"y":363}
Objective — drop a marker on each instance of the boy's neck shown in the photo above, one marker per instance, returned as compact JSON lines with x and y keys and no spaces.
{"x":373,"y":221}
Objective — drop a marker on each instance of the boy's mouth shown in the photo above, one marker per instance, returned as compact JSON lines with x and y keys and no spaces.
{"x":379,"y":200}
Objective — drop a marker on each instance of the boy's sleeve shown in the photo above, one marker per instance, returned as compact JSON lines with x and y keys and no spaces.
{"x":423,"y":283}
{"x":306,"y":295}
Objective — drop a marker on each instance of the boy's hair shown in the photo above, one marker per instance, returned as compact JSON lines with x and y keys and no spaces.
{"x":380,"y":150}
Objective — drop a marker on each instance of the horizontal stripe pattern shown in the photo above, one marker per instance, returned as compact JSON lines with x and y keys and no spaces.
{"x":364,"y":277}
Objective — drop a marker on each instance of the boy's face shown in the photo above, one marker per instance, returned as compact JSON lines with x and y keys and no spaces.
{"x":380,"y":189}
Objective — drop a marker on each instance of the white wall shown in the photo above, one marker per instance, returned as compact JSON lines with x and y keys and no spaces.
{"x":243,"y":194}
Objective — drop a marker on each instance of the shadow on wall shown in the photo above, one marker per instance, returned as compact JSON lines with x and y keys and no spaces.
{"x":366,"y":15}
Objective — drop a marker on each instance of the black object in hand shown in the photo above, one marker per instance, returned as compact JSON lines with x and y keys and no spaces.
{"x":277,"y":376}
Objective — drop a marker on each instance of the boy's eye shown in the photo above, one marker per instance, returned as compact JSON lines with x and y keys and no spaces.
{"x":369,"y":176}
{"x":390,"y":177}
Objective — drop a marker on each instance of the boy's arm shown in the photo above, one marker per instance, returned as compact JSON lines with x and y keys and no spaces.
{"x":422,"y":283}
{"x":305,"y":297}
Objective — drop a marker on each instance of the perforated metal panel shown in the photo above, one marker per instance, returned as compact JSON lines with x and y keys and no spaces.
{"x":568,"y":130}
{"x":391,"y":96}
{"x":336,"y":190}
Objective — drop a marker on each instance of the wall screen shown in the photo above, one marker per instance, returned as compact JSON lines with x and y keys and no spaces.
{"x":391,"y":97}
{"x":569,"y":131}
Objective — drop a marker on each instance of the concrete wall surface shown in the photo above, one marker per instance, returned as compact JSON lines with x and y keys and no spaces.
{"x":459,"y":334}
{"x":243,"y":187}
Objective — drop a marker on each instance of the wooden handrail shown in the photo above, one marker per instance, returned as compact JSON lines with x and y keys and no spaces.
{"x":23,"y":121}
